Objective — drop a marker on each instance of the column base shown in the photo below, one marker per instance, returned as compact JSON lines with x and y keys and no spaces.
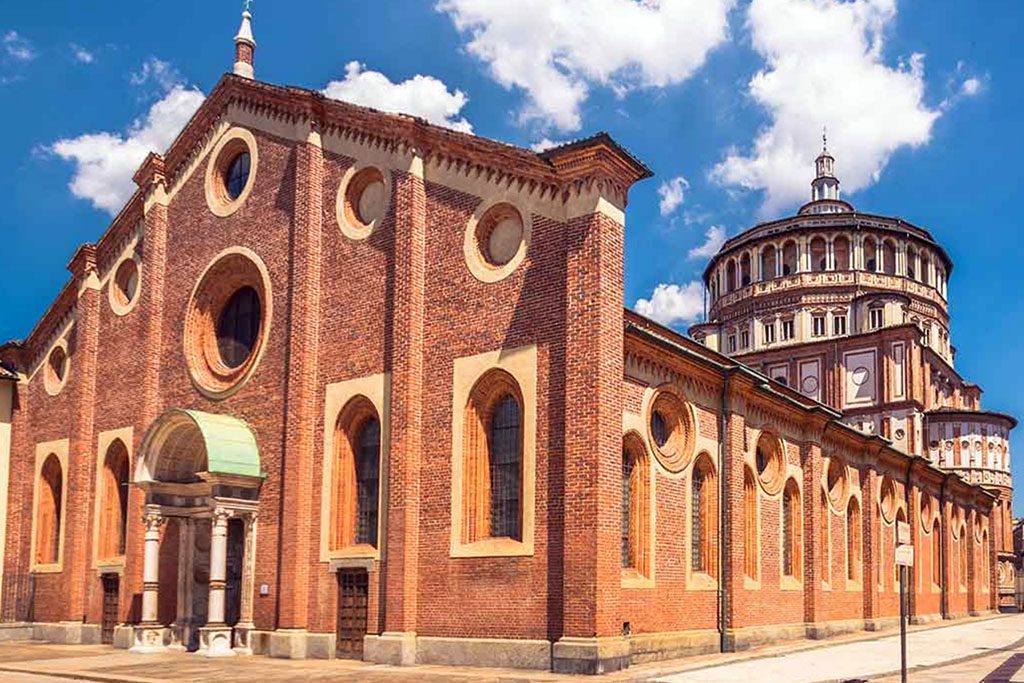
{"x":215,"y":641}
{"x":243,"y":638}
{"x":397,"y":648}
{"x":150,"y":638}
{"x":590,"y":655}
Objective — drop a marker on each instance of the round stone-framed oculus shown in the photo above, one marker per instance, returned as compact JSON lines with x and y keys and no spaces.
{"x":770,"y":462}
{"x":231,"y":172}
{"x":671,"y":430}
{"x":56,"y":368}
{"x":837,"y":483}
{"x":364,"y":196}
{"x":497,"y":239}
{"x":227,"y":322}
{"x":123,"y":288}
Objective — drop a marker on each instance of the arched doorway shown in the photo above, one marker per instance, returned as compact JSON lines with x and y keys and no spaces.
{"x":201,"y":472}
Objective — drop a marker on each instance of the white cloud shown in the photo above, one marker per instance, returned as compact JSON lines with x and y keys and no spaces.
{"x":714,"y":238}
{"x":82,"y":55}
{"x":555,"y":50}
{"x":17,"y":47}
{"x":157,"y":71}
{"x":673,"y":194}
{"x":825,"y":67}
{"x":423,"y":96}
{"x":971,"y":87}
{"x":105,"y":162}
{"x":545,"y":144}
{"x":672,"y":304}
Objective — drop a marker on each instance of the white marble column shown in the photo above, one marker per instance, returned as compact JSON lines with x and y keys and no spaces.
{"x":245,"y":625}
{"x":150,"y":635}
{"x":216,"y":635}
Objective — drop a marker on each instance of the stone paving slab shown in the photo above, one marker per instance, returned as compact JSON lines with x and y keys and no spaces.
{"x":867,"y":659}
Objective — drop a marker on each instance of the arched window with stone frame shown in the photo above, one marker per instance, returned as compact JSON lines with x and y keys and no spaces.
{"x":49,"y":511}
{"x":492,"y":494}
{"x":792,"y":531}
{"x":768,"y":262}
{"x":870,"y":249}
{"x":826,"y":540}
{"x":704,"y":517}
{"x":888,"y":257}
{"x":819,"y":254}
{"x":355,"y":505}
{"x":635,"y":508}
{"x":936,"y":553}
{"x":853,"y":541}
{"x":750,"y":525}
{"x":113,"y":501}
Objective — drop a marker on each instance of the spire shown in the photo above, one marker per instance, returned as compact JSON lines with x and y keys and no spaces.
{"x":245,"y":45}
{"x":825,"y":186}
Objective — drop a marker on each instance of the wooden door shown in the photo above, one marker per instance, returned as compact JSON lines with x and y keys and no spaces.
{"x":353,"y":588}
{"x":111,"y":586}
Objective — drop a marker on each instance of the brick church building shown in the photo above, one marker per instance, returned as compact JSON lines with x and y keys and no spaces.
{"x":336,"y":382}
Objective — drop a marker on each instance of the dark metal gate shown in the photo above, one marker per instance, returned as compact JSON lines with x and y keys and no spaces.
{"x":353,"y":588}
{"x":111,"y":585}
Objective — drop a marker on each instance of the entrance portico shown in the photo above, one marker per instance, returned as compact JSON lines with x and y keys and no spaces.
{"x":202,"y":471}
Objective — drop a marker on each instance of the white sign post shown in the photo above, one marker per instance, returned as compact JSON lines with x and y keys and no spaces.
{"x":904,"y":558}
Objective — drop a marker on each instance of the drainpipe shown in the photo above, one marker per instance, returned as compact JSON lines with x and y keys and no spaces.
{"x":723,"y":446}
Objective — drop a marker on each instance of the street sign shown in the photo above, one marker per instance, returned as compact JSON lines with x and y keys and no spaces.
{"x":902,"y":533}
{"x":904,"y":555}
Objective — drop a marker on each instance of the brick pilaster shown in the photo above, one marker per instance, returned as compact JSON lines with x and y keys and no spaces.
{"x":733,"y":565}
{"x":869,"y":552}
{"x":151,"y":180}
{"x":82,"y":455}
{"x":593,"y":427}
{"x":811,"y":465}
{"x":301,"y":388}
{"x":402,"y":539}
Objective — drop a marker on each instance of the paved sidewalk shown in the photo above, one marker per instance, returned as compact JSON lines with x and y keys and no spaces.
{"x":872,"y":658}
{"x":986,"y":642}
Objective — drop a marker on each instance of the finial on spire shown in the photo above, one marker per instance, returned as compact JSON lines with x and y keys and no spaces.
{"x":824,"y":138}
{"x":245,"y":44}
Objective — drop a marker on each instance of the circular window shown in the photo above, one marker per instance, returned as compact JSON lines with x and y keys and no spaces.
{"x":926,"y":512}
{"x":497,"y":239}
{"x":770,"y":461}
{"x":671,"y":430}
{"x":362,"y":203}
{"x":227,"y":322}
{"x":124,"y":286}
{"x":888,"y":503}
{"x":231,"y":172}
{"x":836,"y":482}
{"x":55,"y":372}
{"x":236,"y":177}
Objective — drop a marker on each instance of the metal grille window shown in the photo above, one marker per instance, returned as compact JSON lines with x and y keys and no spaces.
{"x":659,"y":429}
{"x":367,"y":482}
{"x":505,"y":469}
{"x":238,"y":326}
{"x":237,"y":175}
{"x":627,"y":501}
{"x":698,"y":559}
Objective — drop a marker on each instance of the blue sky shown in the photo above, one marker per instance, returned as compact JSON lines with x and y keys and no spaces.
{"x":724,"y":99}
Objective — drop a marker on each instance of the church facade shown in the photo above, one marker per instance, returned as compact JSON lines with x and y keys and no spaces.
{"x":339,"y":383}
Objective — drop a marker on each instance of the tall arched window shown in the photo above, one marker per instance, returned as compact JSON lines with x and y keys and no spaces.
{"x":750,"y":531}
{"x":635,"y":507}
{"x":768,"y":264}
{"x":730,"y":276}
{"x":49,"y":511}
{"x":853,"y":547}
{"x":703,"y":517}
{"x":356,"y":477}
{"x":114,"y":501}
{"x":961,"y":547}
{"x":936,"y":554}
{"x":889,"y":257}
{"x":870,"y":255}
{"x":789,"y":260}
{"x":493,"y":466}
{"x":792,"y":542}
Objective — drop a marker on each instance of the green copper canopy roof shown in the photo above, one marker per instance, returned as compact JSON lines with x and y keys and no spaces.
{"x":230,"y":444}
{"x":182,"y":444}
